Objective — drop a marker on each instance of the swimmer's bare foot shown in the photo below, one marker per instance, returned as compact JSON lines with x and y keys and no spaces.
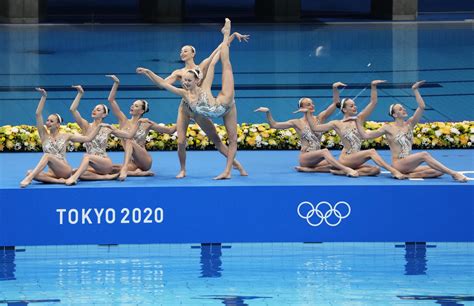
{"x":398,"y":175}
{"x":460,"y":177}
{"x":181,"y":174}
{"x":123,"y":174}
{"x":339,"y":172}
{"x":352,"y":173}
{"x":305,"y":169}
{"x":240,"y":168}
{"x":28,"y":172}
{"x":146,"y":173}
{"x":25,"y":182}
{"x":223,"y":176}
{"x":61,"y":180}
{"x":112,"y":176}
{"x":226,"y":28}
{"x":70,"y":181}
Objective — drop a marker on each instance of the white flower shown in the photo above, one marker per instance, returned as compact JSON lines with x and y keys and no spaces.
{"x":455,"y":131}
{"x":438,"y":133}
{"x":323,"y":138}
{"x":258,"y":138}
{"x":14,"y":129}
{"x":148,"y":138}
{"x":330,"y":144}
{"x":265,"y":143}
{"x":246,"y":131}
{"x":419,"y":135}
{"x":425,"y":130}
{"x":25,"y":143}
{"x":469,"y":144}
{"x":253,"y":130}
{"x":288,"y":133}
{"x":17,"y":146}
{"x":174,"y":137}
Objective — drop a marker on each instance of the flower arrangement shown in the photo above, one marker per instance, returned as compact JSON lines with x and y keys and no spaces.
{"x":434,"y":135}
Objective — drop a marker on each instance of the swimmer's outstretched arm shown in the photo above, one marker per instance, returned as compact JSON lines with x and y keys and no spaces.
{"x":160,"y":128}
{"x":373,"y":100}
{"x":274,"y":124}
{"x":88,"y":138}
{"x":313,"y":125}
{"x":366,"y":134}
{"x":83,"y":124}
{"x":113,"y":103}
{"x":160,"y":82}
{"x":39,"y":113}
{"x":421,"y":104}
{"x":335,"y":99}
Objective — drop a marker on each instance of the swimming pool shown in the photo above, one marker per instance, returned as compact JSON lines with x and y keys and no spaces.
{"x":280,"y":64}
{"x":241,"y":274}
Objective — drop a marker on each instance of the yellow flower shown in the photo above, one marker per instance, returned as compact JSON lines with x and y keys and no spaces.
{"x":10,"y":144}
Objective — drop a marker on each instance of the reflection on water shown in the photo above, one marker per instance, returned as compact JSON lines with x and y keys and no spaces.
{"x":7,"y":264}
{"x":211,"y":263}
{"x":234,"y":300}
{"x":415,"y":256}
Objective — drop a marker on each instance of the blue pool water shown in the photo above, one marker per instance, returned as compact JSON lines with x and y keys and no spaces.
{"x":278,"y":66}
{"x":240,"y":274}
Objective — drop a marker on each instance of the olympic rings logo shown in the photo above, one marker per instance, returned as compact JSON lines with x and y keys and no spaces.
{"x":322,"y":216}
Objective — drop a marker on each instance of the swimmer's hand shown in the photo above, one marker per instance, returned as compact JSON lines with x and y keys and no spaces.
{"x":42,"y":91}
{"x":262,"y":109}
{"x":145,"y":120}
{"x":141,"y":70}
{"x":79,"y":88}
{"x":113,"y":77}
{"x":302,"y":110}
{"x":241,"y":37}
{"x":338,"y":84}
{"x":418,"y":85}
{"x":377,"y":82}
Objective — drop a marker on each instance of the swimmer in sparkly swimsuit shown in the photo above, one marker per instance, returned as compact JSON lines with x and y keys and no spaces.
{"x":399,"y":135}
{"x":137,"y":161}
{"x":352,"y":156}
{"x":312,"y":157}
{"x":185,"y":113}
{"x":96,"y":164}
{"x":198,"y":96}
{"x":54,"y":147}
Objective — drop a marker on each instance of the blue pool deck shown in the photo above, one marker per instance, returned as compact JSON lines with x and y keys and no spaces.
{"x":266,"y":168}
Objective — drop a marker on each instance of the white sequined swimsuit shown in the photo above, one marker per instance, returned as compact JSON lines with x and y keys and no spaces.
{"x":313,"y":139}
{"x":353,"y":137}
{"x":55,"y":147}
{"x":405,"y":140}
{"x":140,"y":135}
{"x":204,"y":108}
{"x":98,"y":145}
